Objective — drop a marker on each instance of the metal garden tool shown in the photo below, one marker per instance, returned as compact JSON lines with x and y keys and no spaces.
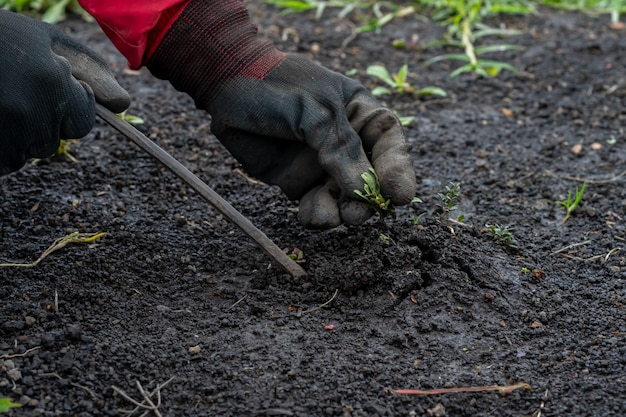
{"x":288,"y":264}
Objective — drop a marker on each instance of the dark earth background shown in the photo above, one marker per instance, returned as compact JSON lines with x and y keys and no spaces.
{"x":441,"y":305}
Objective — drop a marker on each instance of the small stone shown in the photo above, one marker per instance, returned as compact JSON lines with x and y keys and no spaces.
{"x":14,"y":374}
{"x":437,"y":411}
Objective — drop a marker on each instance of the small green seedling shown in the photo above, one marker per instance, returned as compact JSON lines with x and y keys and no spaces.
{"x":50,"y":11}
{"x":464,"y":22}
{"x":525,"y":270}
{"x":384,"y":239}
{"x":6,"y":404}
{"x":450,"y":197}
{"x":133,"y":120}
{"x":501,"y":235}
{"x":64,"y":149}
{"x":372,"y":195}
{"x":398,"y":82}
{"x":572,"y":201}
{"x":296,"y":255}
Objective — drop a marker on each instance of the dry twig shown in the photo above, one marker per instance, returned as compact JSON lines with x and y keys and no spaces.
{"x":322,"y":305}
{"x":60,"y":243}
{"x":146,"y":404}
{"x":501,"y":389}
{"x":74,"y":384}
{"x":19,"y":355}
{"x":586,"y":242}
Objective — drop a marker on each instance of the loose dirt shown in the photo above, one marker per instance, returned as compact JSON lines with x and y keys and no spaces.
{"x":176,"y":295}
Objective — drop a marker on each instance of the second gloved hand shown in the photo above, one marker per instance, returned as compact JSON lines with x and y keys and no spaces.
{"x":289,"y":121}
{"x":48,"y":84}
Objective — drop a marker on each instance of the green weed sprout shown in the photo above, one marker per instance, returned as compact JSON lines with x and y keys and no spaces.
{"x":51,"y":11}
{"x":384,"y":239}
{"x":501,"y":235}
{"x":64,"y":149}
{"x":450,"y":197}
{"x":463,"y":20}
{"x":398,"y":83}
{"x":372,"y":195}
{"x":612,"y":7}
{"x":133,"y":120}
{"x":65,"y":144}
{"x":382,"y":12}
{"x":296,"y":254}
{"x":6,"y":404}
{"x":572,"y":201}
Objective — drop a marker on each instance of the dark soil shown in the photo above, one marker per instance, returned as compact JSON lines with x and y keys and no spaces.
{"x":440,"y":305}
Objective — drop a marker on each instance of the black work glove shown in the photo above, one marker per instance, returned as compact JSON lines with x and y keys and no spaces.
{"x":289,"y":121}
{"x":47,"y":86}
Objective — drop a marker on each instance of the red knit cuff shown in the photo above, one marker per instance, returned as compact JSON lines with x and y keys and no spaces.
{"x":155,"y":36}
{"x":212,"y":41}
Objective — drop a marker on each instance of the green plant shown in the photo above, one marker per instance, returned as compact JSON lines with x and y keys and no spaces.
{"x":372,"y":195}
{"x":133,"y":120}
{"x":51,"y":11}
{"x":463,"y":19}
{"x":398,"y":83}
{"x":65,"y":144}
{"x":384,"y":239}
{"x":6,"y":404}
{"x":612,"y":7}
{"x":572,"y":201}
{"x":296,"y":254}
{"x":64,"y":149}
{"x":382,"y":12}
{"x":501,"y":235}
{"x":450,"y":197}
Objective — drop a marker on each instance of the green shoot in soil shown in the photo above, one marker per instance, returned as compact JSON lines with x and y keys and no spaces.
{"x":6,"y":404}
{"x":398,"y":82}
{"x":572,"y":201}
{"x":382,"y":12}
{"x":501,"y":235}
{"x":463,"y":18}
{"x":594,"y":7}
{"x":133,"y":120}
{"x":65,"y":144}
{"x":51,"y":11}
{"x":372,"y":195}
{"x":384,"y":239}
{"x":296,"y":254}
{"x":64,"y":149}
{"x":450,"y":197}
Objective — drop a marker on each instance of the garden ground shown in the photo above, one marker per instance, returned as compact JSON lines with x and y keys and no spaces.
{"x":178,"y":300}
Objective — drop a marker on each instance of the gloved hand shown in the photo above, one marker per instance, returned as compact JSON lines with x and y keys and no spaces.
{"x":289,"y":121}
{"x":47,"y":87}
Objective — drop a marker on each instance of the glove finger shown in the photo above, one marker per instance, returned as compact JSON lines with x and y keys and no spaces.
{"x":80,"y":111}
{"x":354,"y":212}
{"x":319,"y":207}
{"x":323,"y":208}
{"x":78,"y":115}
{"x":340,"y":150}
{"x":90,"y":68}
{"x":384,"y":137}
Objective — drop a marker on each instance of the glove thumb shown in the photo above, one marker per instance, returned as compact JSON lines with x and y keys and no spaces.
{"x":91,"y":69}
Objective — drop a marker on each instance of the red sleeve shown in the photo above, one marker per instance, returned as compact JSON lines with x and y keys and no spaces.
{"x":135,"y":27}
